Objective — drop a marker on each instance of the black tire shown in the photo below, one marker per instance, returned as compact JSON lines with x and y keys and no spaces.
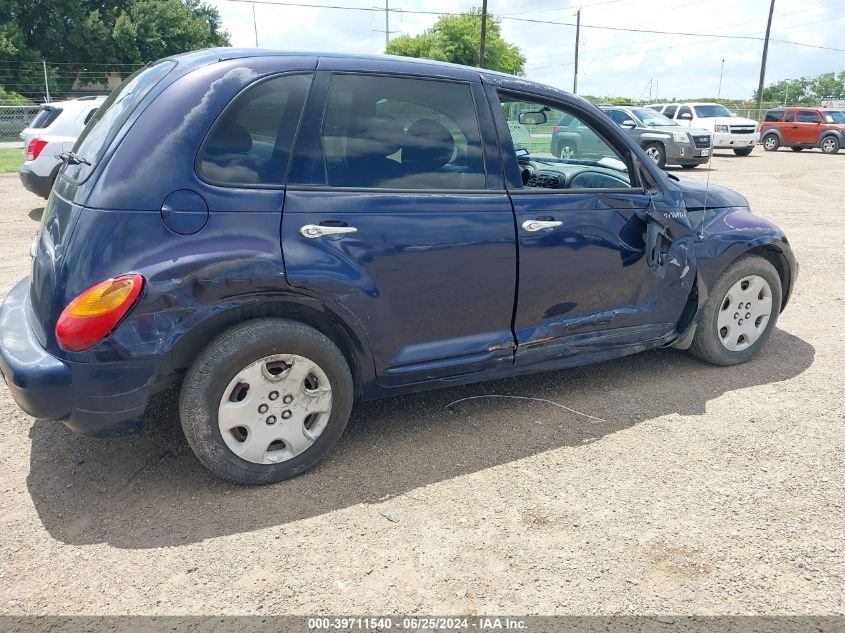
{"x":797,"y":149}
{"x":223,"y":359}
{"x":690,"y":165}
{"x":745,"y":151}
{"x":830,"y":145}
{"x":706,"y":344}
{"x":658,"y":153}
{"x":771,"y":142}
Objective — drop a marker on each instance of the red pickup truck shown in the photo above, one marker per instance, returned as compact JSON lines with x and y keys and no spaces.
{"x":801,"y":128}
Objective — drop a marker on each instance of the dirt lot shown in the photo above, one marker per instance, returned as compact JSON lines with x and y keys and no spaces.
{"x":708,"y":491}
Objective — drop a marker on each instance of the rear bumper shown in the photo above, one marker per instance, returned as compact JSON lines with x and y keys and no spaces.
{"x":40,"y":383}
{"x":101,"y":399}
{"x":39,"y":185}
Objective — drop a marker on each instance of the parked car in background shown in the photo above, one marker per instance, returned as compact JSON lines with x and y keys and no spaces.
{"x":337,"y":228}
{"x":52,"y":132}
{"x":729,"y":131}
{"x":664,"y":141}
{"x":803,"y":128}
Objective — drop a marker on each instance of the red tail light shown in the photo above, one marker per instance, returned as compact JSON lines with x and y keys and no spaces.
{"x":90,"y":317}
{"x":34,"y":148}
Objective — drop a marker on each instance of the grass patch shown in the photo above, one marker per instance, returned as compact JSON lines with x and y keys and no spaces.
{"x":10,"y":160}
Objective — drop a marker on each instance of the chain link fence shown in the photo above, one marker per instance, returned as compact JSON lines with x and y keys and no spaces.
{"x":13,"y":119}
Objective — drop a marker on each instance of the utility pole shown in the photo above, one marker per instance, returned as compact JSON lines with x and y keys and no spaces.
{"x":721,"y":74}
{"x":254,"y":24}
{"x":577,"y":39}
{"x":483,"y":34}
{"x":46,"y":83}
{"x":387,"y":30}
{"x":763,"y":63}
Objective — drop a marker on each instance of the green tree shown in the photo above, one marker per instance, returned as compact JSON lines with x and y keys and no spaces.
{"x":805,"y":90}
{"x":457,"y":39}
{"x":86,"y":40}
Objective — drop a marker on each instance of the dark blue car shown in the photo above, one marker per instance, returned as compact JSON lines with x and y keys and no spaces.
{"x":286,"y":233}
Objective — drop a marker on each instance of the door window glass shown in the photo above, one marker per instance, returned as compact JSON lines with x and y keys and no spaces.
{"x":619,"y":116}
{"x":669,"y":112}
{"x":557,"y":150}
{"x":774,"y":115}
{"x":396,"y":132}
{"x":685,"y":111}
{"x":790,"y":117}
{"x":805,"y":116}
{"x":251,"y":143}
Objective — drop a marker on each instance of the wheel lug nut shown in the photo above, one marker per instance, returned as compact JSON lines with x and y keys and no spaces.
{"x":748,"y":315}
{"x":287,"y":399}
{"x":262,"y":408}
{"x":271,"y":419}
{"x":740,"y":321}
{"x":286,"y":414}
{"x":274,"y":395}
{"x":736,"y":315}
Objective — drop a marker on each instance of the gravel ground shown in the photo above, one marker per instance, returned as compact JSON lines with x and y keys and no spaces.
{"x":707,"y":491}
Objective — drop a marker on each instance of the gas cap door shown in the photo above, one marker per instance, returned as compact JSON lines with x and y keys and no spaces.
{"x":184,"y":212}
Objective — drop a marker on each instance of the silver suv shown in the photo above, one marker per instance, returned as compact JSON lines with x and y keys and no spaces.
{"x":663,"y":140}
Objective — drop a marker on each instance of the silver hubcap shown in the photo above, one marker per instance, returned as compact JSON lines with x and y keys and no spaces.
{"x":770,"y":143}
{"x":275,"y":408}
{"x":744,"y":313}
{"x":567,"y":151}
{"x":827,"y":145}
{"x":654,"y":154}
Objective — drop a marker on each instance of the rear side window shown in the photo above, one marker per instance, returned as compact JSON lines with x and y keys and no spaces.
{"x":790,"y":117}
{"x":392,"y":132}
{"x":112,"y":115}
{"x":45,"y":117}
{"x":252,"y":141}
{"x":774,"y":115}
{"x":806,"y":116}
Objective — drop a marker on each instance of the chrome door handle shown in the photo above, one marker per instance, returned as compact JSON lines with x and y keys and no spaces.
{"x":538,"y":225}
{"x":313,"y":231}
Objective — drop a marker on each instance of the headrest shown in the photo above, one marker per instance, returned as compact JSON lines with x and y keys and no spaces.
{"x":428,"y":145}
{"x":375,"y":136}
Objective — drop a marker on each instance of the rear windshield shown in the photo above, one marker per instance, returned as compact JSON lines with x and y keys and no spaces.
{"x":111,"y":115}
{"x":45,"y":117}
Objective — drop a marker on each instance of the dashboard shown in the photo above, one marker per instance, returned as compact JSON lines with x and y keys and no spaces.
{"x":563,"y":175}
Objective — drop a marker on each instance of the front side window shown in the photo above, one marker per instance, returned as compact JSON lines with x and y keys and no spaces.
{"x":685,"y":113}
{"x":619,"y":116}
{"x":401,"y":133}
{"x":806,"y":116}
{"x":252,"y":141}
{"x":670,"y":111}
{"x":558,"y":150}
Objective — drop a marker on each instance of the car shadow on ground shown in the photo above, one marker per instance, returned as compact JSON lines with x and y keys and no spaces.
{"x":36,"y":213}
{"x":150,"y":491}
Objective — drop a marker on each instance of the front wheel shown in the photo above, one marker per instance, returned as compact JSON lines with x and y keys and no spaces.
{"x":656,"y":154}
{"x":771,"y":142}
{"x":689,"y":165}
{"x":739,"y":314}
{"x":745,"y":151}
{"x":265,"y":401}
{"x":830,"y":145}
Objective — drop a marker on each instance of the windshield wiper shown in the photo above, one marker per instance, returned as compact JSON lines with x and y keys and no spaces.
{"x":72,"y":158}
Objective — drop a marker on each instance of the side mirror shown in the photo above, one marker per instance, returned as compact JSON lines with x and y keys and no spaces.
{"x":628,"y":124}
{"x":532,"y":118}
{"x":686,"y":116}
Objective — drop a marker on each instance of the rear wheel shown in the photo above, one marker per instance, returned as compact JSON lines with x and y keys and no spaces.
{"x":739,"y":314}
{"x":771,"y":142}
{"x":745,"y":151}
{"x":265,"y":401}
{"x":797,"y":149}
{"x":656,"y":153}
{"x":830,"y":145}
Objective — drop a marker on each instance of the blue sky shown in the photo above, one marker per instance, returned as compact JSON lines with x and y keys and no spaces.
{"x":612,"y":63}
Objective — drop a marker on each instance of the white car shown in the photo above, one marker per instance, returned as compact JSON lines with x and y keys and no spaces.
{"x":729,"y":130}
{"x":53,"y":131}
